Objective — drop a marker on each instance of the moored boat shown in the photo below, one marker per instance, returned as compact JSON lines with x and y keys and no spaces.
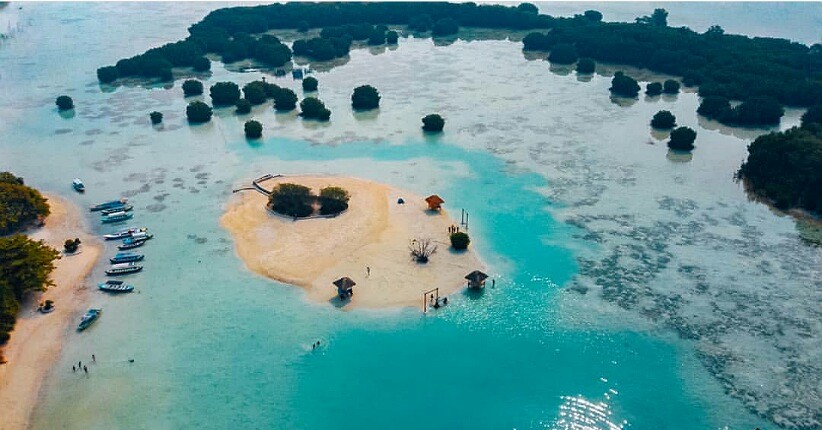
{"x":113,"y":286}
{"x":78,"y":185}
{"x":89,"y":318}
{"x":141,"y":235}
{"x":124,"y":233}
{"x":126,"y":257}
{"x":130,"y":243}
{"x":123,"y":269}
{"x":116,"y":217}
{"x":123,"y":208}
{"x":108,"y":205}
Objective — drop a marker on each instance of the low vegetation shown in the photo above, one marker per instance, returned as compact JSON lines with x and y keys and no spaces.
{"x":253,"y":129}
{"x":653,"y":89}
{"x":297,"y":200}
{"x":243,"y":107}
{"x":433,"y":123}
{"x":224,"y":93}
{"x":365,"y":97}
{"x":313,"y":108}
{"x":71,"y":245}
{"x":460,"y":240}
{"x":20,"y":205}
{"x":624,"y":86}
{"x":586,"y":66}
{"x":192,"y":87}
{"x":786,"y":167}
{"x":563,"y":53}
{"x":310,"y":84}
{"x":333,"y":200}
{"x":755,"y":111}
{"x":64,"y":103}
{"x":663,"y":120}
{"x":682,"y":139}
{"x":422,"y":249}
{"x":156,"y":117}
{"x":198,"y":112}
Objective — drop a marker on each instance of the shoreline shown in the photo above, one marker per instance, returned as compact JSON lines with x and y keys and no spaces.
{"x":374,"y":233}
{"x":37,"y":340}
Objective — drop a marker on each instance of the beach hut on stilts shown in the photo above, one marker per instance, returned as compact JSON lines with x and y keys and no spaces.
{"x":476,"y":279}
{"x":345,"y":287}
{"x":434,"y":202}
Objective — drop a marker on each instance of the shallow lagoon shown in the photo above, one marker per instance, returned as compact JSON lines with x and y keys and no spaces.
{"x":618,"y":265}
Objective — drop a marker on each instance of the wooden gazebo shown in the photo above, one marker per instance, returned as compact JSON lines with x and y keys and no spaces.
{"x":345,"y":287}
{"x":476,"y":279}
{"x":434,"y":202}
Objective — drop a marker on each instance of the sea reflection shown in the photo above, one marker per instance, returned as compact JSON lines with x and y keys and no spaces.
{"x":579,"y":413}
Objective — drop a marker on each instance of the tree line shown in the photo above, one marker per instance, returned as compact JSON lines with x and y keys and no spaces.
{"x":25,"y":264}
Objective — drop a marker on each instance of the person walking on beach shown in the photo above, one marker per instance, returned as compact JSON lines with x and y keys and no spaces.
{"x":367,"y":271}
{"x":85,"y":369}
{"x":79,"y":364}
{"x":93,"y":358}
{"x":73,"y":369}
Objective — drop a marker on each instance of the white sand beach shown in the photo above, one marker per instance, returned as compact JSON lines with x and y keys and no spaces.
{"x":374,"y":233}
{"x":37,"y":338}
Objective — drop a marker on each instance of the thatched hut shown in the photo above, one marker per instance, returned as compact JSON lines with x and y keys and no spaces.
{"x":434,"y":202}
{"x":345,"y":287}
{"x":476,"y":279}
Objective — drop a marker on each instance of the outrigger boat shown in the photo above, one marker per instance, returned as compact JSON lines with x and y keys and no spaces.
{"x":116,"y":217}
{"x":89,"y":318}
{"x":108,"y":205}
{"x":141,"y":235}
{"x":130,"y":243}
{"x":126,"y":257}
{"x":113,"y":286}
{"x":78,"y":185}
{"x":123,"y":269}
{"x":124,"y":233}
{"x":123,"y":208}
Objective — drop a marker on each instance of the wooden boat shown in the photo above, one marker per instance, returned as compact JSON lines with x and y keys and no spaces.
{"x":123,"y":269}
{"x":108,"y":205}
{"x":126,"y":257}
{"x":124,"y":233}
{"x":116,"y":217}
{"x":78,"y":185}
{"x":123,"y":208}
{"x":130,"y":243}
{"x":89,"y":318}
{"x":113,"y":286}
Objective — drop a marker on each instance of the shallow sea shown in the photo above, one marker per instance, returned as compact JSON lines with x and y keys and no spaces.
{"x":635,"y":288}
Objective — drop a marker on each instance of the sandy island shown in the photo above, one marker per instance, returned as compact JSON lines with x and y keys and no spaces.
{"x":374,"y":232}
{"x":37,"y":338}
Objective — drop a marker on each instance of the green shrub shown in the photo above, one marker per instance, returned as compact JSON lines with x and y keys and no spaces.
{"x":20,"y":205}
{"x":198,"y":112}
{"x":663,"y":120}
{"x":333,"y":200}
{"x":255,"y":92}
{"x":563,"y":53}
{"x":292,"y":200}
{"x":624,"y":85}
{"x":670,"y":87}
{"x":107,"y":74}
{"x":64,"y":103}
{"x":313,"y":108}
{"x":365,"y":97}
{"x":653,"y":89}
{"x":586,"y":66}
{"x":310,"y":84}
{"x":202,"y":64}
{"x":243,"y":107}
{"x":224,"y":93}
{"x":392,"y":37}
{"x":433,"y":123}
{"x":682,"y":139}
{"x":71,"y":245}
{"x":192,"y":87}
{"x":253,"y":129}
{"x":156,"y":117}
{"x":460,"y":240}
{"x":285,"y":100}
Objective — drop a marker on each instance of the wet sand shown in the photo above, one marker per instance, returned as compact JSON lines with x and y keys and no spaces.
{"x":37,"y":338}
{"x":374,"y":232}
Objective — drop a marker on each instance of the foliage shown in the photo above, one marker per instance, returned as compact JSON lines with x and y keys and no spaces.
{"x":198,"y":112}
{"x":333,"y":200}
{"x":624,"y":85}
{"x":156,"y":117}
{"x":323,"y":48}
{"x":653,"y":89}
{"x":313,"y":108}
{"x":253,"y":129}
{"x":670,"y":87}
{"x":107,"y":74}
{"x":422,"y":249}
{"x":527,"y":8}
{"x":224,"y":93}
{"x":64,"y":103}
{"x":786,"y":167}
{"x":563,"y":53}
{"x":433,"y":123}
{"x":377,"y":37}
{"x":392,"y":37}
{"x":460,"y":240}
{"x":445,"y":27}
{"x":310,"y":84}
{"x":243,"y":107}
{"x":20,"y":205}
{"x":192,"y":87}
{"x":593,"y":15}
{"x":71,"y":245}
{"x":25,"y":266}
{"x":659,"y":18}
{"x":682,"y":139}
{"x":255,"y":93}
{"x":812,"y":116}
{"x":201,"y":64}
{"x":663,"y":120}
{"x":752,"y":112}
{"x":292,"y":200}
{"x":420,"y":23}
{"x":365,"y":97}
{"x":285,"y":100}
{"x":302,"y":26}
{"x":586,"y":66}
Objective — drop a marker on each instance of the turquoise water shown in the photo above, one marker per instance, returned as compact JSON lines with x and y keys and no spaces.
{"x":567,"y":193}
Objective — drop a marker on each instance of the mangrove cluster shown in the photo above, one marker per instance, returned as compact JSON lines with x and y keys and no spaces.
{"x":297,"y":200}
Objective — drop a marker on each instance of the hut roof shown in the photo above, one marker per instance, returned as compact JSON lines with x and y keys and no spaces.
{"x":476,"y":276}
{"x":434,"y":199}
{"x":344,"y":283}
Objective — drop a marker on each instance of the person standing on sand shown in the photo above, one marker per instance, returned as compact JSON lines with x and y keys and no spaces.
{"x":85,"y":369}
{"x":367,"y":271}
{"x":73,"y":369}
{"x":79,"y":364}
{"x":93,"y":358}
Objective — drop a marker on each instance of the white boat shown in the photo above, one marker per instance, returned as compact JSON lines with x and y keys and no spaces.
{"x":124,"y":233}
{"x":78,"y":185}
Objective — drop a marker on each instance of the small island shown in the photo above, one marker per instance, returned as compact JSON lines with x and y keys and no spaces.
{"x":369,"y":242}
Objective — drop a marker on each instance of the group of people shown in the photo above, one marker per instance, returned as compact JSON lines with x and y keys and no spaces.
{"x":315,"y":345}
{"x":81,"y":366}
{"x":453,"y":229}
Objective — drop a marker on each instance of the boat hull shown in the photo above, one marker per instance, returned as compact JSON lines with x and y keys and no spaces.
{"x":118,"y":272}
